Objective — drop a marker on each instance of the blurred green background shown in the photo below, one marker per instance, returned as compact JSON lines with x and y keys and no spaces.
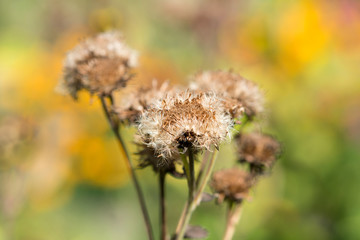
{"x":60,"y":174}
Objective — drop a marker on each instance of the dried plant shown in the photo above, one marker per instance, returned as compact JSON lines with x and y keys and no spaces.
{"x":232,"y":184}
{"x":186,"y":120}
{"x":100,"y":64}
{"x":259,"y":150}
{"x":176,"y":126}
{"x":238,"y":92}
{"x":139,"y":100}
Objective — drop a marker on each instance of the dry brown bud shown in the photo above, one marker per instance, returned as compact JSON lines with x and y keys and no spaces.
{"x":100,"y":64}
{"x":257,"y":149}
{"x":232,"y":184}
{"x":239,"y":93}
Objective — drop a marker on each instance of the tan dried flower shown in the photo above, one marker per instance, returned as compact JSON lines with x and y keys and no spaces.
{"x":238,"y":92}
{"x":149,"y":158}
{"x":259,"y":150}
{"x":100,"y":64}
{"x":139,"y":100}
{"x":232,"y":184}
{"x":184,"y":120}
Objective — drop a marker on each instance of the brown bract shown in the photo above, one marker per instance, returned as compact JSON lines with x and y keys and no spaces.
{"x":180,"y":121}
{"x":232,"y":184}
{"x":239,"y":93}
{"x":137,"y":101}
{"x":100,"y":64}
{"x":257,"y":149}
{"x":149,"y":158}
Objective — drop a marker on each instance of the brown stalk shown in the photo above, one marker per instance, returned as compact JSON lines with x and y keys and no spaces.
{"x":162,"y":176}
{"x":130,"y":168}
{"x":192,"y":203}
{"x":233,"y":217}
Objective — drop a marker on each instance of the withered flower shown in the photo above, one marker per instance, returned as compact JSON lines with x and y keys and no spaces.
{"x":149,"y":158}
{"x":259,"y":150}
{"x":100,"y":64}
{"x":239,"y":93}
{"x":139,"y":100}
{"x":232,"y":184}
{"x":183,"y":120}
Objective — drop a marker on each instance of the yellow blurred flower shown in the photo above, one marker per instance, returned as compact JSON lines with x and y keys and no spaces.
{"x":301,"y":35}
{"x":98,"y":161}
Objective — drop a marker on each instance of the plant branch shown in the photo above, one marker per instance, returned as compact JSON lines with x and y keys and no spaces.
{"x":206,"y":176}
{"x":195,"y":201}
{"x":204,"y":163}
{"x":233,"y":217}
{"x":162,"y":176}
{"x":130,"y":168}
{"x":186,"y":168}
{"x":192,"y":175}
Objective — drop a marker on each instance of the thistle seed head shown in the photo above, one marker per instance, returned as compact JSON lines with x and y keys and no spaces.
{"x":183,"y":120}
{"x":100,"y":64}
{"x":139,"y":100}
{"x":239,"y":93}
{"x":232,"y":184}
{"x":259,"y":150}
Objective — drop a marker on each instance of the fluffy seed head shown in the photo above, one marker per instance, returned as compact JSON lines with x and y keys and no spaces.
{"x":184,"y":120}
{"x":259,"y":150}
{"x":139,"y":100}
{"x":100,"y":64}
{"x":232,"y":184}
{"x":238,"y":92}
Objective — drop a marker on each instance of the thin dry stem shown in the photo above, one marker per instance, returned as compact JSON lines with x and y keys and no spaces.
{"x":192,"y":175}
{"x":130,"y":168}
{"x":192,"y":205}
{"x":204,"y":163}
{"x":162,"y":176}
{"x":233,"y":217}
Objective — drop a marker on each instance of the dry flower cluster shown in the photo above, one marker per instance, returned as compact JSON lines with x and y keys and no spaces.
{"x":177,"y":125}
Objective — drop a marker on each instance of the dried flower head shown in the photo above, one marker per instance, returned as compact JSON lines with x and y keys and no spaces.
{"x":139,"y":100}
{"x":184,"y":120}
{"x":259,"y":150}
{"x":232,"y":184}
{"x":100,"y":64}
{"x":149,"y":158}
{"x":238,"y":92}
